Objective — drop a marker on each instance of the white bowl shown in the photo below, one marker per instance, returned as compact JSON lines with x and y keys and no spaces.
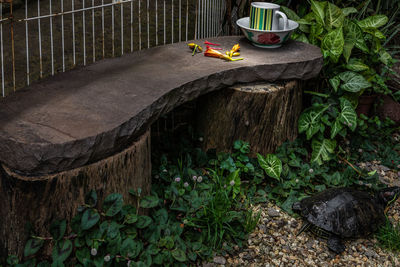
{"x":267,"y":39}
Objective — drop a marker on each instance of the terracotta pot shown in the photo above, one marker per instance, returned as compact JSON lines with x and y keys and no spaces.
{"x":365,"y":102}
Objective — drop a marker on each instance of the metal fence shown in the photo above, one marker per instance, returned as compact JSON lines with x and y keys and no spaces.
{"x":39,"y":38}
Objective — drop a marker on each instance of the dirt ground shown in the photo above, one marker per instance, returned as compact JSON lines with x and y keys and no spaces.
{"x":96,"y":43}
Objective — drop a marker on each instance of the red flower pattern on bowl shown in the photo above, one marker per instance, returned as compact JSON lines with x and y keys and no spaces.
{"x":268,"y":38}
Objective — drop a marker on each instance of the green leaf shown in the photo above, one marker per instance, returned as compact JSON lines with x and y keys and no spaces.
{"x":349,"y":10}
{"x":179,"y":255}
{"x":131,"y":218}
{"x":143,"y":221}
{"x":353,"y":82}
{"x":131,"y":248}
{"x":373,"y":22}
{"x":347,"y":49}
{"x":356,"y":64}
{"x":354,"y":35}
{"x":89,"y":219}
{"x":348,"y":116}
{"x":57,"y":229}
{"x":290,"y":13}
{"x":62,"y":250}
{"x":335,"y":82}
{"x":91,"y":199}
{"x":271,"y":164}
{"x":333,"y":43}
{"x":318,"y":9}
{"x":32,"y":246}
{"x":113,"y":204}
{"x":322,"y":150}
{"x":167,"y":242}
{"x":336,"y":128}
{"x":385,"y":57}
{"x":334,"y":16}
{"x":83,"y":255}
{"x":149,"y":202}
{"x":309,"y":121}
{"x":377,"y":33}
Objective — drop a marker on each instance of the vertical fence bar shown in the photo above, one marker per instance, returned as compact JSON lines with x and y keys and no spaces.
{"x":131,"y":26}
{"x":156,"y":22}
{"x":172,"y":21}
{"x":2,"y":53}
{"x":62,"y":36}
{"x":122,"y":28}
{"x":84,"y":32}
{"x":180,"y":20}
{"x":165,"y":29}
{"x":93,"y":34}
{"x":102,"y":28}
{"x":148,"y":23}
{"x":12,"y":45}
{"x":203,"y":19}
{"x":187,"y":19}
{"x":112,"y":28}
{"x":51,"y":38}
{"x":26,"y":42}
{"x":40,"y":41}
{"x":140,"y":27}
{"x":197,"y":30}
{"x":73,"y":32}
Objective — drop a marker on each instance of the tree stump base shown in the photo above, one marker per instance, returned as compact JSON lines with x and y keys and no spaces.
{"x":41,"y":200}
{"x":265,"y":115}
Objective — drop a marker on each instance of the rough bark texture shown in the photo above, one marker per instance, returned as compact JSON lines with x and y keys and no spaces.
{"x":47,"y":198}
{"x":265,"y":115}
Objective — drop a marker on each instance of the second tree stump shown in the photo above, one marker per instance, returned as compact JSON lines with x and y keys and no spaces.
{"x":265,"y":115}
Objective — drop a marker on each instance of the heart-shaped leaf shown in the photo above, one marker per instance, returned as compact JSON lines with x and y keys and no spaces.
{"x":62,"y":250}
{"x":89,"y":219}
{"x":318,"y":9}
{"x":149,"y":202}
{"x":322,"y":150}
{"x":373,"y":22}
{"x":57,"y":229}
{"x":333,"y":43}
{"x":179,"y":255}
{"x":334,"y":16}
{"x":131,"y":218}
{"x":143,"y":221}
{"x":348,"y":116}
{"x":83,"y":255}
{"x":310,"y":119}
{"x":355,"y":36}
{"x":271,"y":164}
{"x":353,"y":82}
{"x":131,"y":248}
{"x":32,"y":246}
{"x":336,"y":128}
{"x":349,"y":10}
{"x":113,"y":204}
{"x":356,"y":65}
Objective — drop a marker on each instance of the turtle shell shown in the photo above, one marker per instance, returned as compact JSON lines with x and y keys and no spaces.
{"x":345,"y":212}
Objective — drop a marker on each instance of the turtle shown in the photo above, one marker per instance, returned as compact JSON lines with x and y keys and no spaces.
{"x":342,"y":213}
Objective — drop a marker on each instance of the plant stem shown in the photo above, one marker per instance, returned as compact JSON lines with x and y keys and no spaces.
{"x":351,"y":165}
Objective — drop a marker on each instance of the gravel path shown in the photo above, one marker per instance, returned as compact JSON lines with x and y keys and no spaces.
{"x":274,"y":242}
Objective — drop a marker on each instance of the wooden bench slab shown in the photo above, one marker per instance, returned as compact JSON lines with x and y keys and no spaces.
{"x":85,"y":115}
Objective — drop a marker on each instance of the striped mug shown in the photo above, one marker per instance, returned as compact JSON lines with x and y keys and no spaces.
{"x":265,"y":17}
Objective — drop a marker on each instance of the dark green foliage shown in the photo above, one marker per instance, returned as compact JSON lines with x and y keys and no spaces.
{"x":389,"y":236}
{"x":199,"y":206}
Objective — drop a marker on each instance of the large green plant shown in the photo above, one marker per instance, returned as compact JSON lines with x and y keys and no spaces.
{"x":355,"y":61}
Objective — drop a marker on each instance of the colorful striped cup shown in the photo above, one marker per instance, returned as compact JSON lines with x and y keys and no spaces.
{"x":265,"y":17}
